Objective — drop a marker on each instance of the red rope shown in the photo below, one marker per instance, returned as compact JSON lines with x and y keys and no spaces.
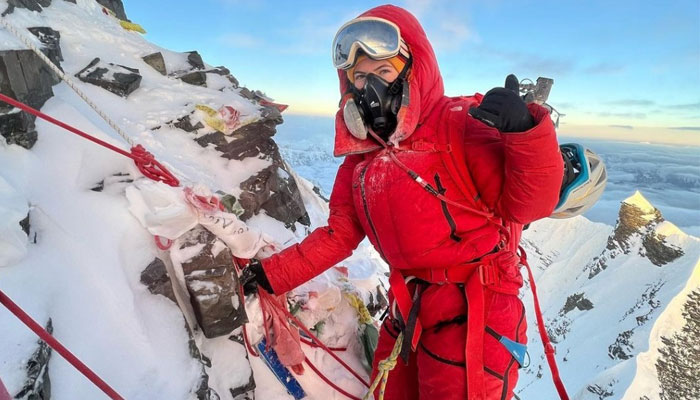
{"x":144,"y":160}
{"x":163,"y":245}
{"x":316,"y":342}
{"x":328,"y":381}
{"x":548,"y":348}
{"x":4,"y":394}
{"x":312,"y":344}
{"x":313,"y":337}
{"x":56,"y":345}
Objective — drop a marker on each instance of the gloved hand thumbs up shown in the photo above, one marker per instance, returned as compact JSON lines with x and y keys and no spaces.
{"x":504,"y":109}
{"x":513,"y":84}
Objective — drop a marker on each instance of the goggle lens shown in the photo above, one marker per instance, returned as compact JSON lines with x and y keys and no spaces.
{"x":379,"y":39}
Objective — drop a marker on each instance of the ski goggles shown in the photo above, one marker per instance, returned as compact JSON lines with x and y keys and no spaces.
{"x":378,"y":38}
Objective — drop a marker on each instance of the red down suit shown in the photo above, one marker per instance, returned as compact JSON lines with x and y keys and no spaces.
{"x":517,"y":176}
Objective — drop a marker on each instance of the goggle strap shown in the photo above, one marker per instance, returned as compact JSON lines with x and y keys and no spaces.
{"x":397,"y":84}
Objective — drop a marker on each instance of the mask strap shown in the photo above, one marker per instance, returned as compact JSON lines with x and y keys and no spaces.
{"x":397,"y":84}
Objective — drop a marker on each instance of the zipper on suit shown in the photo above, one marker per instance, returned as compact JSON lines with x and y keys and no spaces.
{"x":366,"y":208}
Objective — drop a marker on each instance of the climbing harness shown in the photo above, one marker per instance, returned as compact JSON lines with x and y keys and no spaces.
{"x":476,"y":275}
{"x":56,"y":345}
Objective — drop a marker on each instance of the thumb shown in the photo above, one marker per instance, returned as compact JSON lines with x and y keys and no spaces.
{"x":513,"y":84}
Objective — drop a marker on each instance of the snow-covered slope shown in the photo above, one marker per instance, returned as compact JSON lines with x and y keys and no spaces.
{"x":81,"y":263}
{"x":609,"y":295}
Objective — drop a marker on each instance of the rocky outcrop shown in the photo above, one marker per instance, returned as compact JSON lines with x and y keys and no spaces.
{"x":272,"y":189}
{"x":156,"y":279}
{"x":25,"y":77}
{"x":196,"y":74}
{"x":211,"y":281}
{"x":631,"y":220}
{"x":622,"y":349}
{"x":579,"y":301}
{"x":156,"y":61}
{"x":51,"y":41}
{"x":32,"y":5}
{"x":116,"y":6}
{"x":677,"y":366}
{"x":116,"y":78}
{"x":636,"y":231}
{"x":659,"y":251}
{"x":38,"y":383}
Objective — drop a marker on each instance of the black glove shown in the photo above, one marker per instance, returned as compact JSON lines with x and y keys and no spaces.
{"x":253,"y":276}
{"x":504,"y":109}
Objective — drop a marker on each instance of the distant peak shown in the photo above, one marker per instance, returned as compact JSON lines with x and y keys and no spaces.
{"x":639,"y":201}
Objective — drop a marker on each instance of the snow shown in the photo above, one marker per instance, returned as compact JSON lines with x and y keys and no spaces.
{"x":13,"y":209}
{"x":640,"y":202}
{"x":645,"y":382}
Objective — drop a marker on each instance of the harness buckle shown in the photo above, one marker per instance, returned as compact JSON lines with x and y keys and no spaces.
{"x":488,"y":274}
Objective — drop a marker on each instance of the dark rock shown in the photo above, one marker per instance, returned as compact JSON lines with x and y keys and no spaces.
{"x":246,"y":93}
{"x":202,"y":389}
{"x":32,"y":5}
{"x":622,"y":349}
{"x":185,"y":123}
{"x":25,"y":77}
{"x":212,"y":283}
{"x":274,"y":191}
{"x":271,"y":114}
{"x":658,"y":251}
{"x":223,"y":71}
{"x":600,"y":391}
{"x":17,"y":127}
{"x":122,"y":82}
{"x":245,"y":392}
{"x":51,"y":40}
{"x":25,"y":224}
{"x":197,"y":78}
{"x":579,"y":301}
{"x":255,"y":95}
{"x":156,"y":279}
{"x":38,"y":384}
{"x":635,"y":225}
{"x":156,"y":61}
{"x":631,"y":220}
{"x":195,"y":60}
{"x":71,"y":1}
{"x":116,"y":6}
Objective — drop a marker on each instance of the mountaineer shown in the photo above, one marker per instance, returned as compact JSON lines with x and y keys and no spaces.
{"x":442,"y":187}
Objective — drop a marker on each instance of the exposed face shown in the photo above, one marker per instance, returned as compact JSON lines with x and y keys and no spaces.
{"x":382,"y":69}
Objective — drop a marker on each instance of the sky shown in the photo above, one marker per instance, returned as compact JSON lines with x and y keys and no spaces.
{"x":627,"y":70}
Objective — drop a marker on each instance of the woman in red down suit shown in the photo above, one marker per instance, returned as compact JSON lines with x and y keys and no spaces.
{"x":459,"y":262}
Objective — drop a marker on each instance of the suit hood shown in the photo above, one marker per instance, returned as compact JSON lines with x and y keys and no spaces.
{"x":425,"y":86}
